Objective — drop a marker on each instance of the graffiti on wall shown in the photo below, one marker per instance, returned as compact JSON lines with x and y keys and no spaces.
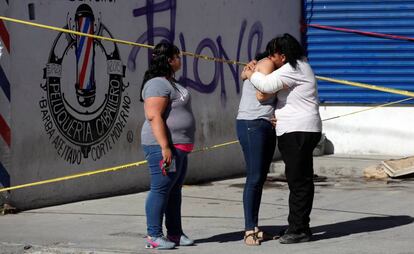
{"x":214,"y":46}
{"x":84,"y":113}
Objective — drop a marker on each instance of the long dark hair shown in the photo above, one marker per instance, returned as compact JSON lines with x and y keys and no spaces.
{"x":159,"y":65}
{"x":261,"y":55}
{"x":287,"y":44}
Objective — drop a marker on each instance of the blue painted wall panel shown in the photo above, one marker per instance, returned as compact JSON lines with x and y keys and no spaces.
{"x":359,"y":58}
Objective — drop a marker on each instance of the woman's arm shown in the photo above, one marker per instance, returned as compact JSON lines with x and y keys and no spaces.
{"x":266,"y":83}
{"x":271,"y":83}
{"x":264,"y":66}
{"x":154,"y":108}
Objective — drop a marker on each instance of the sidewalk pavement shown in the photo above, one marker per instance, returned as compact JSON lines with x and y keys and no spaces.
{"x":350,"y":215}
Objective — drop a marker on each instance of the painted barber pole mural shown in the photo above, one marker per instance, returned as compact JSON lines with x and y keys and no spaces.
{"x":5,"y":100}
{"x":84,"y":123}
{"x":85,"y":57}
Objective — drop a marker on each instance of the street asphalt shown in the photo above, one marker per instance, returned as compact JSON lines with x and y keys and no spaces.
{"x":350,"y":215}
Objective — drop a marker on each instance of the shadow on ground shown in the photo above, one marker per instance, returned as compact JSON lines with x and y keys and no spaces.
{"x":363,"y":225}
{"x":324,"y":232}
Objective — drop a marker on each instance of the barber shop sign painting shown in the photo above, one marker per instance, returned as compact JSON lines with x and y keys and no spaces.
{"x":84,"y":107}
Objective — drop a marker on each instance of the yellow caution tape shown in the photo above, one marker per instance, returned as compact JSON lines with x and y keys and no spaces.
{"x":205,"y":57}
{"x":372,"y":87}
{"x":105,"y":170}
{"x":371,"y":108}
{"x":139,"y":163}
{"x":63,"y":30}
{"x":59,"y":179}
{"x":215,"y":146}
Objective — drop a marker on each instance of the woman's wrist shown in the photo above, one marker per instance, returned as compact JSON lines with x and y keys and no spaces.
{"x":165,"y":147}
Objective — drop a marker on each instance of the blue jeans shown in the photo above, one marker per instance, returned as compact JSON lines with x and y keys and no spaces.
{"x":164,"y":196}
{"x":258,"y":141}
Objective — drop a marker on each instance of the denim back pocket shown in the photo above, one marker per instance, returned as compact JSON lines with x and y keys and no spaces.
{"x":254,"y":125}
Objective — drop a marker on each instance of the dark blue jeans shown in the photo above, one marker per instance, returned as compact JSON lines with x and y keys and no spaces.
{"x":164,"y":196}
{"x":258,"y":140}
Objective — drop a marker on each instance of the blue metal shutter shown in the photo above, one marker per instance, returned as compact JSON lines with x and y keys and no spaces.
{"x":359,"y":58}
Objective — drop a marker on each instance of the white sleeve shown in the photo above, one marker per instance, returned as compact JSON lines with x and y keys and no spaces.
{"x":267,"y":83}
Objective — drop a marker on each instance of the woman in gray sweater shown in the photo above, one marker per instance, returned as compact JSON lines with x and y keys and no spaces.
{"x":167,"y":137}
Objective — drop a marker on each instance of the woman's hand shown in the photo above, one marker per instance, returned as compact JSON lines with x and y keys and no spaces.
{"x":166,"y":155}
{"x":251,"y":65}
{"x":248,"y":70}
{"x":262,"y":97}
{"x":243,"y":74}
{"x":273,"y":121}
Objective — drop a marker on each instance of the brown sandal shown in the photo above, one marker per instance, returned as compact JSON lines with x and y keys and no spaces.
{"x":252,"y":236}
{"x":263,"y":236}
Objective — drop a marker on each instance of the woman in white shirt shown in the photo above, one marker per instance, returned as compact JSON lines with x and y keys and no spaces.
{"x":298,"y":126}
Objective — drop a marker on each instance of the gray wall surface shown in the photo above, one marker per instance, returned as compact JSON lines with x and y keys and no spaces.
{"x":58,"y":129}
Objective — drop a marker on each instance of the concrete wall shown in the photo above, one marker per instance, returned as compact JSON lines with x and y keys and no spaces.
{"x":381,"y":131}
{"x":5,"y":106}
{"x":54,"y":133}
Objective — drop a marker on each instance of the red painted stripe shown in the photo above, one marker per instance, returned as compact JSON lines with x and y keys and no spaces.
{"x":80,"y":24}
{"x":4,"y":35}
{"x":86,"y":61}
{"x":379,"y":35}
{"x":5,"y":131}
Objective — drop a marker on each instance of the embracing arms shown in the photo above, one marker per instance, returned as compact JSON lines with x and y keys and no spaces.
{"x":270,"y":83}
{"x":264,"y":66}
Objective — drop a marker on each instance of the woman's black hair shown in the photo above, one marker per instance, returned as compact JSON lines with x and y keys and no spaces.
{"x":264,"y":54}
{"x":260,"y":56}
{"x":159,"y":65}
{"x":287,"y":44}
